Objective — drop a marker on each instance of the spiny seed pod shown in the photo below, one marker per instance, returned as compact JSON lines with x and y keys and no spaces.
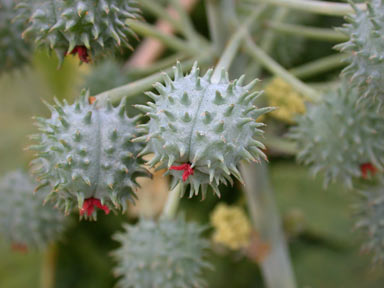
{"x":340,"y":138}
{"x":87,"y":27}
{"x":200,"y":129}
{"x":14,"y":51}
{"x":85,"y":153}
{"x":24,"y":221}
{"x":366,"y":47}
{"x":166,"y":254}
{"x":370,"y":215}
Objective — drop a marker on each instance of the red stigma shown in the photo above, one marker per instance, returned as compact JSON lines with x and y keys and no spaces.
{"x":90,"y":204}
{"x":91,"y":100}
{"x":19,"y":247}
{"x":82,"y":52}
{"x":188,"y":170}
{"x":367,"y":167}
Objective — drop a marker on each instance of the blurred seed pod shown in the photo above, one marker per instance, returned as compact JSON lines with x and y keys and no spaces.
{"x":166,"y":254}
{"x":24,"y":221}
{"x":14,"y":51}
{"x":340,"y":138}
{"x":370,"y":219}
{"x":366,"y":49}
{"x":89,"y":28}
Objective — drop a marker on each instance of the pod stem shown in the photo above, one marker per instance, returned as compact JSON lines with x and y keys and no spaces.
{"x":172,"y":203}
{"x":317,"y":7}
{"x":49,"y":267}
{"x":276,"y":267}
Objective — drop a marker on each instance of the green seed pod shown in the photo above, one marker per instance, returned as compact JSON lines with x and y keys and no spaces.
{"x":85,"y":153}
{"x":86,"y":27}
{"x":340,"y":138}
{"x":365,"y":30}
{"x":167,"y":254}
{"x":200,"y":129}
{"x":24,"y":221}
{"x":370,"y":217}
{"x":14,"y":52}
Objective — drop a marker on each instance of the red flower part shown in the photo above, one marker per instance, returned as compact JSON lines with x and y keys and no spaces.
{"x":367,"y":167}
{"x":89,"y":206}
{"x":82,"y":52}
{"x":91,"y":100}
{"x":19,"y":247}
{"x":188,"y":170}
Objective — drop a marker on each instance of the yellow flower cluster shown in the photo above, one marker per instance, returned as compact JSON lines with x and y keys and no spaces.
{"x":232,"y":227}
{"x":285,"y":98}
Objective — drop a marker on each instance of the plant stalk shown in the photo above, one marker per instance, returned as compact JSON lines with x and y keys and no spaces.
{"x":318,"y":7}
{"x":171,"y":41}
{"x":319,"y":66}
{"x":48,"y":267}
{"x":276,"y":267}
{"x":315,"y":33}
{"x":275,"y":68}
{"x":172,"y":203}
{"x":233,"y":45}
{"x":139,"y":86}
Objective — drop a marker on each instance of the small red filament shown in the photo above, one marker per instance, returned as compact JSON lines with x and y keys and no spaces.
{"x":367,"y":167}
{"x":82,"y":52}
{"x":90,"y":204}
{"x":91,"y":100}
{"x":19,"y":247}
{"x":188,"y":170}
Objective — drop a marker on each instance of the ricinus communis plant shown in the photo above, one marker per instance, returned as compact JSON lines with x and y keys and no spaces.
{"x":201,"y":127}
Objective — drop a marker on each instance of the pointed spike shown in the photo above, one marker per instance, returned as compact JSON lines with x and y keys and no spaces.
{"x":229,"y":110}
{"x":88,"y":117}
{"x":220,"y":127}
{"x":207,"y":117}
{"x":219,"y":99}
{"x":185,"y":99}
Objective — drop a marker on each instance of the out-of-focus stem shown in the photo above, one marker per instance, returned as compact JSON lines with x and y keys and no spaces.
{"x":275,"y":68}
{"x":319,"y":66}
{"x":217,"y":30}
{"x":276,"y":267}
{"x":233,"y":45}
{"x":185,"y":20}
{"x":159,"y":65}
{"x":139,"y":86}
{"x":172,"y":203}
{"x":48,"y":267}
{"x":308,"y":32}
{"x":151,"y":49}
{"x":318,"y":7}
{"x":169,"y":40}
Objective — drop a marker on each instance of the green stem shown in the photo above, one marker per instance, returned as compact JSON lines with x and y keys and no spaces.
{"x":131,"y":89}
{"x":217,"y":30}
{"x":275,"y":68}
{"x":319,"y":66}
{"x":160,"y":12}
{"x":276,"y":267}
{"x":185,"y":20}
{"x":48,"y":267}
{"x":308,"y":32}
{"x":233,"y":45}
{"x":169,"y":40}
{"x":172,"y":203}
{"x":159,"y":65}
{"x":318,"y":7}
